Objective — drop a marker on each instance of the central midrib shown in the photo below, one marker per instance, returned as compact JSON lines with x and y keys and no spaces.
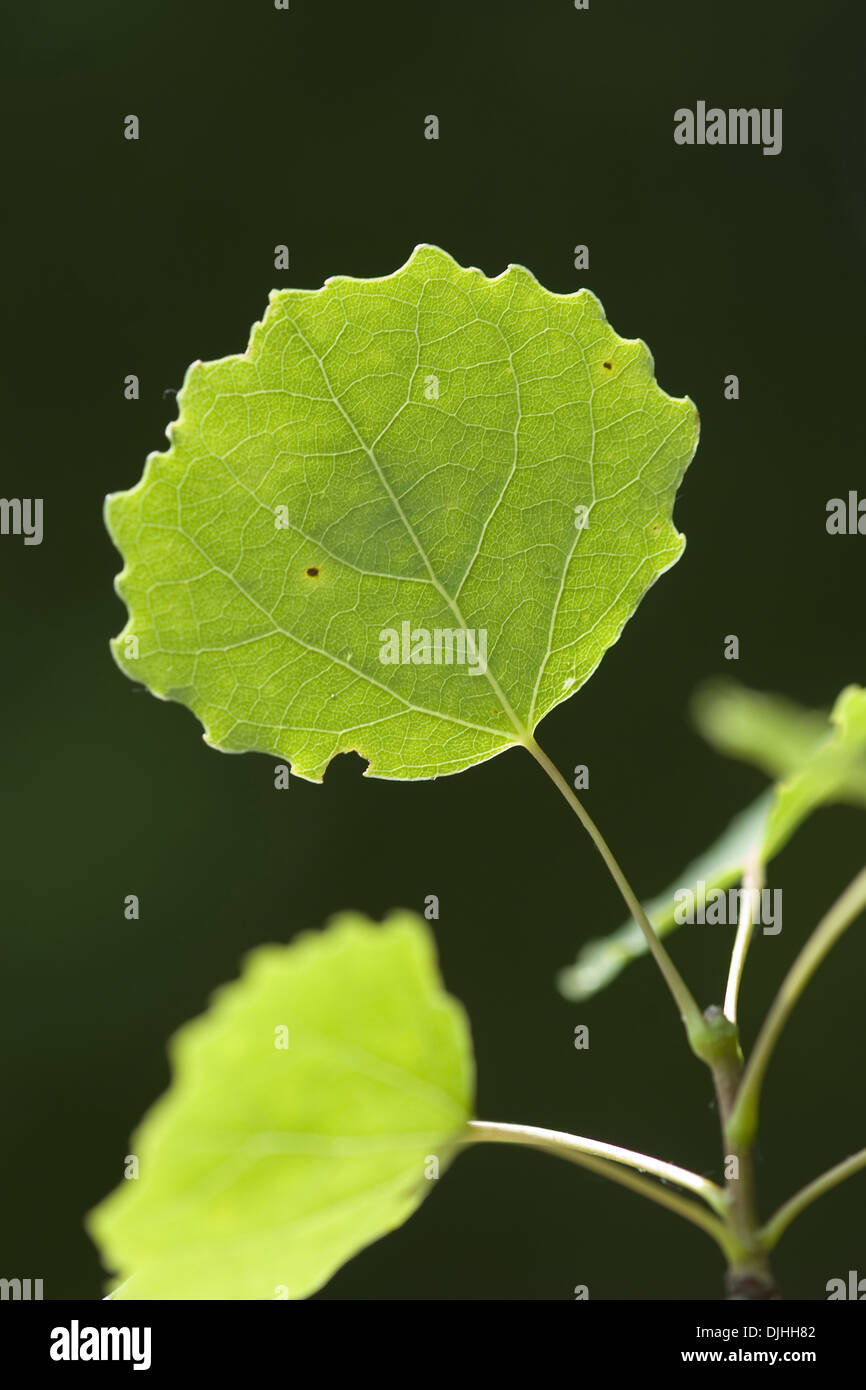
{"x":505,"y":705}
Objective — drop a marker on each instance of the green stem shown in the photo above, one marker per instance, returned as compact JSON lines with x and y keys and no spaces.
{"x":749,"y":1275}
{"x":568,"y":1145}
{"x":744,"y":1117}
{"x":753,"y":882}
{"x":588,"y":1154}
{"x":688,"y":1009}
{"x":781,"y":1220}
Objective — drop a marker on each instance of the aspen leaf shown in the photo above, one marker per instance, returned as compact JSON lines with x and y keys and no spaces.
{"x":434,"y":452}
{"x":817,"y":762}
{"x":304,"y":1109}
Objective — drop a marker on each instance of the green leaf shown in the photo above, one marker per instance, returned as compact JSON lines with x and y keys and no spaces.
{"x":265,"y":1167}
{"x":770,"y":731}
{"x":411,"y":450}
{"x":819,"y":765}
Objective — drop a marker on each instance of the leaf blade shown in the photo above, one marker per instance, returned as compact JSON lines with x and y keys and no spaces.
{"x":452,"y":512}
{"x":266,"y":1168}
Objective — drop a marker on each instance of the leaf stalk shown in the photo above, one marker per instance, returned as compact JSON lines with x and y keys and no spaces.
{"x":686,"y":1004}
{"x":618,"y":1164}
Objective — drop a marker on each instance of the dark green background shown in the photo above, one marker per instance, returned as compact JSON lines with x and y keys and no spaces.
{"x":260,"y":127}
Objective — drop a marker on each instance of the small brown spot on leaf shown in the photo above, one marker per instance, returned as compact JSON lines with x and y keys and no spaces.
{"x":313,"y":572}
{"x":608,"y":366}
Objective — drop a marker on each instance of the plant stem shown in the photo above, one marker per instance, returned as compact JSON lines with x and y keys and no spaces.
{"x":616,"y":1163}
{"x":744,"y":1117}
{"x":688,"y":1008}
{"x":753,"y":882}
{"x":781,"y":1220}
{"x":749,"y":1275}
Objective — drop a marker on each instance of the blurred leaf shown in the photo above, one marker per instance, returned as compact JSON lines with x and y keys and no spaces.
{"x":267,"y":1167}
{"x":770,"y":731}
{"x":820,"y":763}
{"x":434,"y":449}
